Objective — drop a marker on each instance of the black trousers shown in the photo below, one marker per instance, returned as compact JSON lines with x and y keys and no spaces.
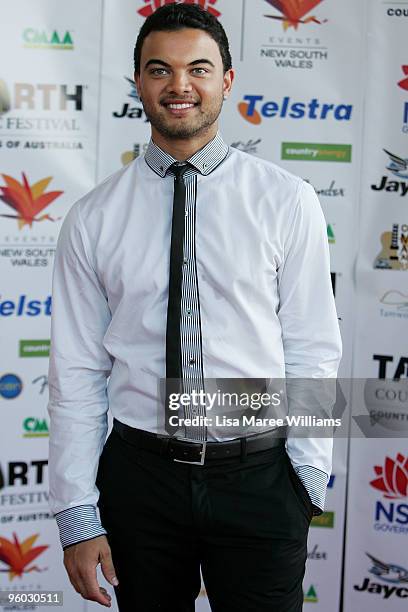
{"x":244,"y":522}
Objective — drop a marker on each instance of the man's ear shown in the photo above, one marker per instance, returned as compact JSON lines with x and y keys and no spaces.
{"x":228,"y":80}
{"x":136,"y":77}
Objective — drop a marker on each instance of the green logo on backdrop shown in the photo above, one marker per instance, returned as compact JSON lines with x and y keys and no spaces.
{"x":34,"y":348}
{"x":35,"y":428}
{"x":324,"y":520}
{"x":310,"y":596}
{"x":40,"y":39}
{"x":313,"y":151}
{"x":330,"y":234}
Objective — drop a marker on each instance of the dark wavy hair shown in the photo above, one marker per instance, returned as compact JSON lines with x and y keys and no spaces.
{"x":173,"y":17}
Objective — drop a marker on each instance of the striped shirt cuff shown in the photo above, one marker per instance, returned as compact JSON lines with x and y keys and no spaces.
{"x":315,"y":482}
{"x":78,"y":524}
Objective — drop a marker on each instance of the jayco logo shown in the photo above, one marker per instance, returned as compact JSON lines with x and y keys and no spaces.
{"x":254,"y":109}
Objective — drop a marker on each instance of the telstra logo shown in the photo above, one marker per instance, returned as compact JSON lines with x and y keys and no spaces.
{"x":254,"y":109}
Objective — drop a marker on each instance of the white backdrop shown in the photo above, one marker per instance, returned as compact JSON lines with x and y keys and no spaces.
{"x":326,"y":96}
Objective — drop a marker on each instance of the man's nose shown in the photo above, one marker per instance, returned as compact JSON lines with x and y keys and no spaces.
{"x":179,"y":83}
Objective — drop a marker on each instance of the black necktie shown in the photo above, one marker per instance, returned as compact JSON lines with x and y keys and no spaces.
{"x":173,"y":343}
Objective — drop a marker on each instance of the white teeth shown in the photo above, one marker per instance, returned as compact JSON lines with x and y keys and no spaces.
{"x":178,"y":106}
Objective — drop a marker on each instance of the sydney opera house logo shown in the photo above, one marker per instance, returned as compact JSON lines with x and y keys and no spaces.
{"x":294,"y":12}
{"x":18,"y":556}
{"x":27,"y":200}
{"x":152,"y":5}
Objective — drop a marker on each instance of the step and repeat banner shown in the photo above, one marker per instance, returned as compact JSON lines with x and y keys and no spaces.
{"x":322,"y":90}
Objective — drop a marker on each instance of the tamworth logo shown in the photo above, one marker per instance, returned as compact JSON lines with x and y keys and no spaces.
{"x":40,"y":96}
{"x":27,"y":201}
{"x":294,"y":12}
{"x":254,"y":109}
{"x":313,"y":151}
{"x":18,"y":556}
{"x":34,"y":348}
{"x":152,"y":5}
{"x":41,"y":39}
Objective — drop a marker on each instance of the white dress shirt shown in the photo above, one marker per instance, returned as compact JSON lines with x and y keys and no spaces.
{"x":261,"y":306}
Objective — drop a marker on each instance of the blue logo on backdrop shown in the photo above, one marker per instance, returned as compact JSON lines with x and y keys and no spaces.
{"x":24,"y":306}
{"x":10,"y":386}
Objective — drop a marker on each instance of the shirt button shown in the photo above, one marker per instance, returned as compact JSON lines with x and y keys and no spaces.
{"x":186,"y":213}
{"x":185,"y":261}
{"x":188,"y":312}
{"x":192,"y":361}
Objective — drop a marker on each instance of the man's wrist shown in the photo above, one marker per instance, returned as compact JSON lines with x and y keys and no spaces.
{"x":78,"y":524}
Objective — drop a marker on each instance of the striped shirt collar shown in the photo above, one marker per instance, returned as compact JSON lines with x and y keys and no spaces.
{"x":204,"y":161}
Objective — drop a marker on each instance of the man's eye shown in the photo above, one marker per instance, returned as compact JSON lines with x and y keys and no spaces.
{"x":200,"y":70}
{"x":158,"y":71}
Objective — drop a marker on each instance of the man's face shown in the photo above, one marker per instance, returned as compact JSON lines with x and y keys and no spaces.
{"x":182,"y":82}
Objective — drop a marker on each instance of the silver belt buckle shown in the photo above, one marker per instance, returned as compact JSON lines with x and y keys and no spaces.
{"x":202,"y":453}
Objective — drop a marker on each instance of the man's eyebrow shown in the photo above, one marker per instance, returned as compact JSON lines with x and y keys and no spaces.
{"x":166,"y":65}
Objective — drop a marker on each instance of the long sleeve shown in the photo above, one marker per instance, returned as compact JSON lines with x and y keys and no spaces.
{"x":310,"y":330}
{"x":78,"y":371}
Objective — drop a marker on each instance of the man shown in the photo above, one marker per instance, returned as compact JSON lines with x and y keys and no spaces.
{"x":195,"y":262}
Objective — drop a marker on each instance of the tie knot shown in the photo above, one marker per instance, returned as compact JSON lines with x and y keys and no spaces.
{"x":178,"y":169}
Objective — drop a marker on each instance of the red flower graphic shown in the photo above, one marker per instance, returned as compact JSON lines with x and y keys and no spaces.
{"x":404,"y":82}
{"x":153,"y":5}
{"x":18,"y":555}
{"x":27,"y":201}
{"x":392,"y":478}
{"x":293,"y":11}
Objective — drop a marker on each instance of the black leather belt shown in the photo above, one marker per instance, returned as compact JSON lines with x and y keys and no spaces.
{"x":197,"y":452}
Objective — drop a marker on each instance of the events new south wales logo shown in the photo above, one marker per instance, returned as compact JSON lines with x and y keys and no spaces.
{"x":303,"y":51}
{"x":391,"y":513}
{"x":18,"y":556}
{"x":293,"y":12}
{"x":27,"y":200}
{"x":152,"y":5}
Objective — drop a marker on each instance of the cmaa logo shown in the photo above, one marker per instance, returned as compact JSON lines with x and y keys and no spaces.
{"x":18,"y":556}
{"x":40,"y":39}
{"x":394,"y":253}
{"x":152,"y":5}
{"x":27,"y":201}
{"x":392,"y":481}
{"x":294,"y":12}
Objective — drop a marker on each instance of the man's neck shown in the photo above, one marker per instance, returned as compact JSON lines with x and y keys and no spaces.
{"x":182,"y":149}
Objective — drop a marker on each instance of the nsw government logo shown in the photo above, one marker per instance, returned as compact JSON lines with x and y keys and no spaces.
{"x":394,"y":252}
{"x":391,"y":513}
{"x":303,"y":51}
{"x":390,"y":580}
{"x":254,"y":109}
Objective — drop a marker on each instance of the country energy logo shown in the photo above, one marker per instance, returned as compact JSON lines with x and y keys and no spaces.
{"x":295,"y":12}
{"x":152,"y":5}
{"x":27,"y":200}
{"x":314,"y":151}
{"x":34,"y":38}
{"x":386,"y":579}
{"x":255,"y":109}
{"x":394,"y":251}
{"x":391,"y":513}
{"x":18,"y":557}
